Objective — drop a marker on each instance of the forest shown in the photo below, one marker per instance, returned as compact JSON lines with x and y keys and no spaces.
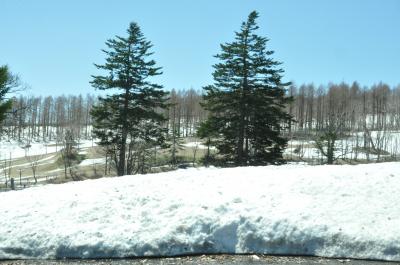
{"x":248,"y":116}
{"x":360,"y":110}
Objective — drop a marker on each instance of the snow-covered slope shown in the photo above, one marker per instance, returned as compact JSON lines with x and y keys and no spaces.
{"x":332,"y":211}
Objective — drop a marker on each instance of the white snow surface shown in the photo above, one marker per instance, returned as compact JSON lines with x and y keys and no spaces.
{"x":331,"y":211}
{"x":198,"y":145}
{"x":17,"y":149}
{"x":92,"y":161}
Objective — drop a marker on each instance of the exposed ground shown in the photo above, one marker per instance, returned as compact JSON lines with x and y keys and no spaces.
{"x":205,"y":260}
{"x":50,"y":168}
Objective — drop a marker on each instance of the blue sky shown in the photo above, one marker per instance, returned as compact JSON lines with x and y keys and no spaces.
{"x":52,"y":45}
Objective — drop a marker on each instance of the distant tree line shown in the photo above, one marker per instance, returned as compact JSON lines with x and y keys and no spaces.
{"x":347,"y":121}
{"x":376,"y":107}
{"x":34,"y":118}
{"x":342,"y":108}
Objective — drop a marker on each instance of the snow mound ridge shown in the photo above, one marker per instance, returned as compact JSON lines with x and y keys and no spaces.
{"x":331,"y":211}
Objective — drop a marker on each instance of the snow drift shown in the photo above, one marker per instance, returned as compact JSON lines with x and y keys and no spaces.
{"x":331,"y":211}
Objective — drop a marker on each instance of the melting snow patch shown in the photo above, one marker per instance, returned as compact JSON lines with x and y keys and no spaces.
{"x":198,"y":145}
{"x":331,"y":211}
{"x":92,"y":161}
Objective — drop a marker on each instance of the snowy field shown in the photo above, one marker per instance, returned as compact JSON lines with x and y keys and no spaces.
{"x":198,"y":145}
{"x":93,"y":161}
{"x":15,"y":149}
{"x":388,"y":141}
{"x":331,"y":211}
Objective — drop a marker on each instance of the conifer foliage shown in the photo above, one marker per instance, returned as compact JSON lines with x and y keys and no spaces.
{"x":247,"y":101}
{"x":7,"y":81}
{"x":126,"y":122}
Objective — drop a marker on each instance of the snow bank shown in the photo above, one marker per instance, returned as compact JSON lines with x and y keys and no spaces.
{"x":331,"y":211}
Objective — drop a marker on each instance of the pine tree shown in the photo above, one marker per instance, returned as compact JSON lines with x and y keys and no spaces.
{"x":247,"y":100}
{"x":118,"y":118}
{"x":7,"y":82}
{"x":175,"y":145}
{"x":207,"y":132}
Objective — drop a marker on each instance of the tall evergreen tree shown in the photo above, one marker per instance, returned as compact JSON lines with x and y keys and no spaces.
{"x":247,"y":100}
{"x":7,"y":82}
{"x":119,"y":117}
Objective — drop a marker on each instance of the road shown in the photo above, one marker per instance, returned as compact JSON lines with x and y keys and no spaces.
{"x":205,"y":260}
